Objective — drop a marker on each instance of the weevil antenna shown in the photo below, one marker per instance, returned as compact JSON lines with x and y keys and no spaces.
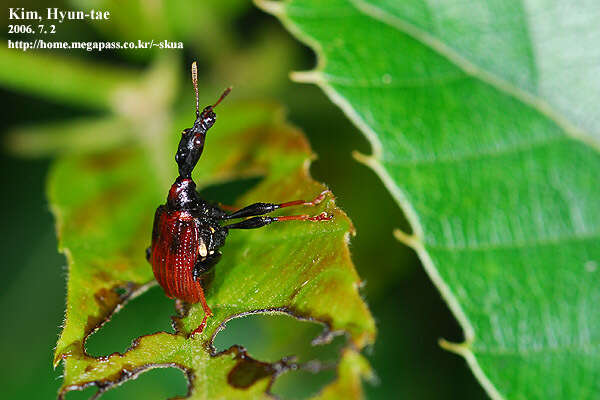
{"x":225,"y":93}
{"x":195,"y":83}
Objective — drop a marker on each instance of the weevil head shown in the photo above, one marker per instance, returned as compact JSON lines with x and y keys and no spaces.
{"x":192,"y":139}
{"x":206,"y":119}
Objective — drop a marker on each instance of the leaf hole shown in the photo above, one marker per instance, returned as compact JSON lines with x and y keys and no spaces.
{"x":271,"y":338}
{"x":157,"y":383}
{"x":133,"y":321}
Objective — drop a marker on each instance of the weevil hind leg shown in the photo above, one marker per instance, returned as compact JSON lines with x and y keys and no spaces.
{"x":202,"y":267}
{"x":207,"y":313}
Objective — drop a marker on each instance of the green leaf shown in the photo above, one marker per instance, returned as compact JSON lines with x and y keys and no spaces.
{"x":104,"y":203}
{"x":74,"y":82}
{"x":85,"y":135}
{"x":351,"y":369}
{"x":483,"y":121}
{"x":207,"y":23}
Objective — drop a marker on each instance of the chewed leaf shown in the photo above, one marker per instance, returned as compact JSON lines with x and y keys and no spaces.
{"x":104,"y":204}
{"x":484,"y":125}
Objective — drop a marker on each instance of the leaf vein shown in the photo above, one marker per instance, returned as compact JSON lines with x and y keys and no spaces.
{"x":555,"y":241}
{"x":473,"y":156}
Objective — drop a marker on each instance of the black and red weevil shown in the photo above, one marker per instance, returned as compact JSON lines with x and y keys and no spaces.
{"x":188,"y":231}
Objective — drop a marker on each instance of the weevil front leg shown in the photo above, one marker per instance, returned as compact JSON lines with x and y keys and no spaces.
{"x":259,"y":222}
{"x":265,"y":208}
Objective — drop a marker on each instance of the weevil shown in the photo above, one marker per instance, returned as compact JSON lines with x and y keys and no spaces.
{"x":189,"y":231}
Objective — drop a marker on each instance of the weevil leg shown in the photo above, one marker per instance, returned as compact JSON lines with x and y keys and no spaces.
{"x":265,"y":208}
{"x":258,"y":222}
{"x":206,"y":264}
{"x":202,"y":267}
{"x":207,"y":313}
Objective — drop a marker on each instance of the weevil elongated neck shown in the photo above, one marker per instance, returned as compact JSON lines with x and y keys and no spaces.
{"x":192,"y":139}
{"x":191,"y":143}
{"x":183,"y":191}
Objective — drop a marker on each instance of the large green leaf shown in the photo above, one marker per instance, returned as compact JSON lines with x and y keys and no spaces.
{"x":104,"y":201}
{"x":484,"y":126}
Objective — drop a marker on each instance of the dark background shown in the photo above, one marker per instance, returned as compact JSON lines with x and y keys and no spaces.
{"x":252,"y":49}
